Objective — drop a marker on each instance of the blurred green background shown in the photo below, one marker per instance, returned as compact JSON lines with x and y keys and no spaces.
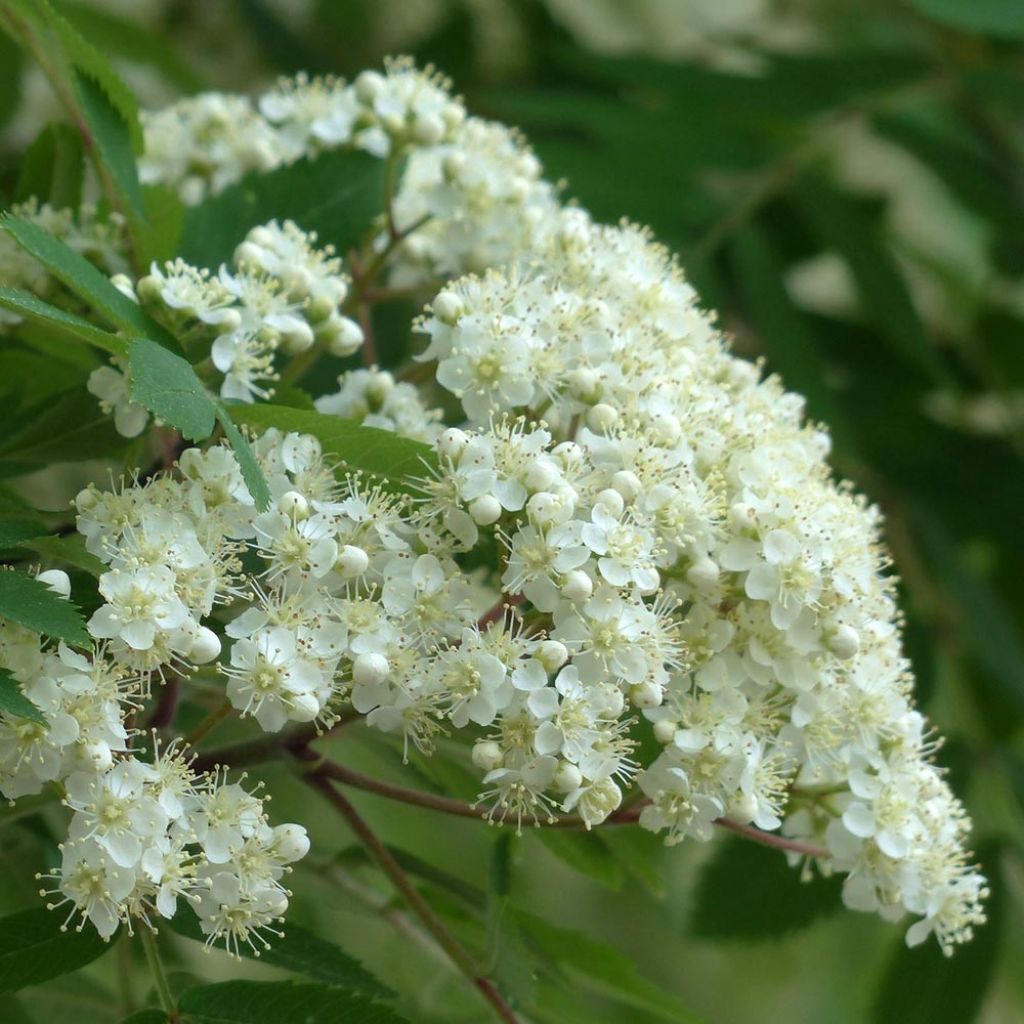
{"x":844,"y":183}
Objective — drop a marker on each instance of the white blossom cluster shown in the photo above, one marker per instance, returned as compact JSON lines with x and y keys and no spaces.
{"x":143,"y":833}
{"x":101,"y":240}
{"x":629,"y":534}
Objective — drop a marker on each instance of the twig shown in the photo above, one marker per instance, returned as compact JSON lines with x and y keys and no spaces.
{"x":417,"y":904}
{"x":163,"y":989}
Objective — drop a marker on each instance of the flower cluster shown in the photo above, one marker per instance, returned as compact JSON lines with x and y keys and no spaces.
{"x":626,"y":534}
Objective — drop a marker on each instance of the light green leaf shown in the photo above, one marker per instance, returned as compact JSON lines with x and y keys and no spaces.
{"x":168,"y":387}
{"x":14,"y":702}
{"x":747,"y":891}
{"x":30,"y":603}
{"x":70,"y":550}
{"x":301,"y":951}
{"x":601,"y":968}
{"x":15,"y":530}
{"x":338,"y":194}
{"x":89,"y":284}
{"x":53,"y":167}
{"x":586,"y":853}
{"x":33,"y":948}
{"x":386,"y":458}
{"x":281,"y":1002}
{"x":27,"y":305}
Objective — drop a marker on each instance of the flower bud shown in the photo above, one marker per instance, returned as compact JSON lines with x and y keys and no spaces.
{"x":552,"y":654}
{"x":205,"y":646}
{"x":703,"y":574}
{"x":602,"y":417}
{"x":585,"y":385}
{"x":844,"y":642}
{"x":304,"y":707}
{"x":88,"y":497}
{"x":352,"y":561}
{"x":452,"y":443}
{"x":567,"y":777}
{"x":544,"y":507}
{"x":370,"y":669}
{"x":577,"y":586}
{"x":485,"y":510}
{"x":344,"y":337}
{"x":292,"y":842}
{"x":645,"y":695}
{"x":665,"y":730}
{"x":56,"y":580}
{"x":487,"y":755}
{"x":447,"y":307}
{"x":611,"y":501}
{"x":541,"y":475}
{"x":627,"y":484}
{"x":369,"y":85}
{"x":293,"y":505}
{"x":428,"y":129}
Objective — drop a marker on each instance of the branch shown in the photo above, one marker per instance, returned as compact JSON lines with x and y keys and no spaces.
{"x":459,"y":808}
{"x":462,"y":959}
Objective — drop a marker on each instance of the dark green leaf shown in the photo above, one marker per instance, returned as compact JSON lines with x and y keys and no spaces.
{"x":395,"y":462}
{"x":65,"y":428}
{"x":748,"y":891}
{"x":601,"y":968}
{"x":301,"y":951}
{"x":30,"y":603}
{"x":10,"y":77}
{"x":921,"y":986}
{"x":165,"y":213}
{"x":168,"y":387}
{"x":337,"y":194}
{"x":586,"y":853}
{"x":146,"y":1017}
{"x":281,"y":1002}
{"x":53,"y":167}
{"x":27,"y":305}
{"x":251,"y":472}
{"x":989,"y":17}
{"x":14,"y":702}
{"x":88,"y":283}
{"x":69,"y":550}
{"x":33,"y":948}
{"x":17,"y":529}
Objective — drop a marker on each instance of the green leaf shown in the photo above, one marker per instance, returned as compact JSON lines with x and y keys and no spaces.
{"x":747,"y":891}
{"x":789,"y":342}
{"x":251,"y":472}
{"x":337,"y":194}
{"x":165,"y":213}
{"x":70,"y":550}
{"x":68,"y":427}
{"x":301,"y":951}
{"x":393,"y":461}
{"x":844,"y":225}
{"x":53,"y":167}
{"x":15,"y":530}
{"x":586,"y":853}
{"x":921,"y":986}
{"x":168,"y":387}
{"x":27,"y":305}
{"x":112,"y":138}
{"x":33,"y":948}
{"x":89,"y":284}
{"x":602,"y":969}
{"x":10,"y":78}
{"x":14,"y":702}
{"x":30,"y":603}
{"x":146,"y":1017}
{"x":281,"y":1002}
{"x":990,"y":17}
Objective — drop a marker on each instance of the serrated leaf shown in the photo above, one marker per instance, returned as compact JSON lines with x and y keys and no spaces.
{"x":33,"y":949}
{"x":251,"y":472}
{"x":921,"y":986}
{"x":748,"y":891}
{"x":112,"y":138}
{"x":337,"y":194}
{"x":601,"y":968}
{"x":301,"y":951}
{"x":168,"y":387}
{"x":14,"y":702}
{"x":30,"y":603}
{"x":89,"y":284}
{"x":32,"y":308}
{"x":386,"y":458}
{"x":53,"y":167}
{"x":281,"y":1002}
